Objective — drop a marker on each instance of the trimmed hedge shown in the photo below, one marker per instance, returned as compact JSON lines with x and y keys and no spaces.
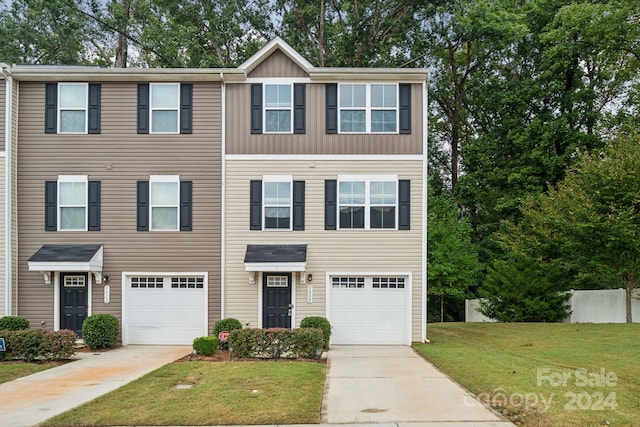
{"x":318,"y":322}
{"x":38,"y":344}
{"x":229,"y":324}
{"x":207,"y":346}
{"x":100,"y":331}
{"x":13,"y":323}
{"x":276,"y":343}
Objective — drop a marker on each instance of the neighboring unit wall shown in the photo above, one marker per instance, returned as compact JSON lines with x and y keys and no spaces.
{"x":3,"y":158}
{"x":359,"y":251}
{"x":119,"y":157}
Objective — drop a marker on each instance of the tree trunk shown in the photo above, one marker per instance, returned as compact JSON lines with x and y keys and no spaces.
{"x":630,"y":284}
{"x":442,"y":308}
{"x":122,"y":47}
{"x":321,"y":34}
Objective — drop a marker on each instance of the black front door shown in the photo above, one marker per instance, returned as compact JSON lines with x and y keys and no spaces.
{"x":276,"y":300}
{"x":73,"y":301}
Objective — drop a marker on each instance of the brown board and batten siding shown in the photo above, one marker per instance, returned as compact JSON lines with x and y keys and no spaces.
{"x":327,"y":251}
{"x":277,"y":65}
{"x":119,"y":157}
{"x":239,"y":139}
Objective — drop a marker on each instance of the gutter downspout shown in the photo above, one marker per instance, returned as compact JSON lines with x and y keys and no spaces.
{"x":425,"y":177}
{"x":6,"y":72}
{"x":223,"y":196}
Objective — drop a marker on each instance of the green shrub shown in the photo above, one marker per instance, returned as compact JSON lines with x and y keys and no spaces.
{"x":100,"y":331}
{"x":207,"y":346}
{"x":13,"y":323}
{"x":229,"y":324}
{"x":276,"y":343}
{"x":38,"y":344}
{"x":318,"y":322}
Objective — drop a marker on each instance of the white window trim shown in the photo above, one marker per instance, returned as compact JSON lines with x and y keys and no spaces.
{"x":264,"y":106}
{"x":277,"y":178}
{"x":73,"y":178}
{"x":152,"y":109}
{"x":368,"y":108}
{"x":367,"y":199}
{"x":158,"y":179}
{"x":85,"y":109}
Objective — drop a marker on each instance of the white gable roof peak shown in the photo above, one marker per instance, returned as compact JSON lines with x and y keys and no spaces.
{"x":275,"y":43}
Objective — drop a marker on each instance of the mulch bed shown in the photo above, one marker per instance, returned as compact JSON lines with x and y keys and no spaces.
{"x":223,"y":356}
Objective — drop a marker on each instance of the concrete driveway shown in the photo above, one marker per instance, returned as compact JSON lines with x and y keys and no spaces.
{"x":392,"y":384}
{"x":31,"y":400}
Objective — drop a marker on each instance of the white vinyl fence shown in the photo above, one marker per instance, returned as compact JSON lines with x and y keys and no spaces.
{"x":595,"y":306}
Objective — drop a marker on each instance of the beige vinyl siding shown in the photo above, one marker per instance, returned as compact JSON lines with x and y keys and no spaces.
{"x":119,"y":157}
{"x":2,"y":237}
{"x":375,"y":251}
{"x":277,"y":65}
{"x":239,"y":139}
{"x":3,"y":104}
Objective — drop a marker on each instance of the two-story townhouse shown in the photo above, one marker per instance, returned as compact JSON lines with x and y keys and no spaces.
{"x":118,"y":198}
{"x":324,"y":198}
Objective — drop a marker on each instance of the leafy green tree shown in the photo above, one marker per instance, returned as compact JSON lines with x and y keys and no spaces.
{"x":452,"y":262}
{"x":590,"y":223}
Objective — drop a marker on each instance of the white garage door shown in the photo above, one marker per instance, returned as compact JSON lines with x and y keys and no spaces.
{"x":165,"y":309}
{"x":369,"y":310}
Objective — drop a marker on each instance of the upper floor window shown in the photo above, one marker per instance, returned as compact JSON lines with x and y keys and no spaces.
{"x":278,"y":103}
{"x":164,"y":204}
{"x":368,"y":108}
{"x":367,"y":203}
{"x":165,"y":100}
{"x":72,"y":203}
{"x":165,"y":108}
{"x":72,"y":107}
{"x":277,"y":203}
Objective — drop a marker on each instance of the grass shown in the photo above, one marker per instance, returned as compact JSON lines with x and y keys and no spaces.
{"x":222,"y":393}
{"x":12,"y":370}
{"x":545,"y":374}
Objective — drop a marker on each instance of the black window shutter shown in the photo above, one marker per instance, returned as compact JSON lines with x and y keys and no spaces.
{"x":299,"y":104}
{"x":51,"y":108}
{"x":94,"y":206}
{"x":298,"y":205}
{"x":255,"y":210}
{"x":143,"y":206}
{"x":405,"y":108}
{"x":51,"y":205}
{"x":143,"y":107}
{"x":404,"y":204}
{"x":95,"y":90}
{"x":186,"y":209}
{"x":330,"y":204}
{"x":186,"y":114}
{"x":331,"y":113}
{"x":256,"y":108}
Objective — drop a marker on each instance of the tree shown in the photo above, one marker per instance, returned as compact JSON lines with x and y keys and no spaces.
{"x":588,"y":227}
{"x":452,"y":262}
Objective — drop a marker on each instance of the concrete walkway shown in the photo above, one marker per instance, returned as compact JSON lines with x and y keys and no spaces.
{"x":393,"y":385}
{"x":31,"y":400}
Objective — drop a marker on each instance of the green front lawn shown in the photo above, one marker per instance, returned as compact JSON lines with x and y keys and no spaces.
{"x":545,"y":374}
{"x":12,"y":370}
{"x":222,"y":393}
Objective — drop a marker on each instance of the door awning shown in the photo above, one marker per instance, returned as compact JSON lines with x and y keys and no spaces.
{"x":276,"y":258}
{"x":80,"y":258}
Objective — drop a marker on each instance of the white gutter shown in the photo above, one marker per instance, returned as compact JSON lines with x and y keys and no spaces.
{"x":425,"y":177}
{"x":6,"y":72}
{"x":223,"y":181}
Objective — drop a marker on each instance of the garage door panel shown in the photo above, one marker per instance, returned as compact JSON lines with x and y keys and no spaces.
{"x":368,"y":315}
{"x":163,"y":314}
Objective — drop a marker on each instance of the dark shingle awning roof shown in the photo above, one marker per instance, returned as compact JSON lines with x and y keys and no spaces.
{"x":276,"y":258}
{"x":80,"y":258}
